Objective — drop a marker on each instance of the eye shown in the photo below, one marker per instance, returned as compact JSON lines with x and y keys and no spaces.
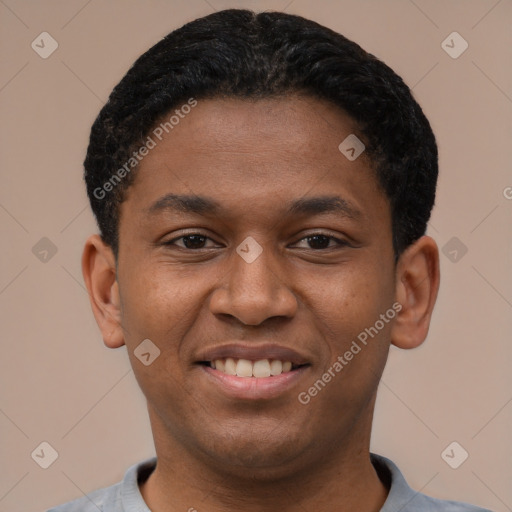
{"x":316,"y":241}
{"x":190,"y":241}
{"x":319,"y":241}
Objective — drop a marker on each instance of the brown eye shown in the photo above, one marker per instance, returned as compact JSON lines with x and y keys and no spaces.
{"x":319,"y":241}
{"x":191,"y":241}
{"x":194,"y":241}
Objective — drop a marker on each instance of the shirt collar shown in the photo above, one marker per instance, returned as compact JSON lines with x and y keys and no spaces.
{"x":399,"y":496}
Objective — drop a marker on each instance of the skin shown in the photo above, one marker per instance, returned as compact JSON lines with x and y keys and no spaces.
{"x":254,"y":158}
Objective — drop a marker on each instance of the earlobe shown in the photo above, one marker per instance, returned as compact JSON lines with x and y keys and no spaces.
{"x":417,"y":284}
{"x":99,"y":271}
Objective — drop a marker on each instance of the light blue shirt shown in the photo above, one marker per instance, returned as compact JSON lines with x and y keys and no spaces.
{"x":126,"y":497}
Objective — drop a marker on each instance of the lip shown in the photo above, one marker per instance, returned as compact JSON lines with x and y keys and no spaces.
{"x":251,"y":388}
{"x":252,"y":352}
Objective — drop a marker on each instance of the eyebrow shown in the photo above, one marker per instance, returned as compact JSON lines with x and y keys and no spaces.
{"x":324,"y":204}
{"x":184,"y":203}
{"x":202,"y":205}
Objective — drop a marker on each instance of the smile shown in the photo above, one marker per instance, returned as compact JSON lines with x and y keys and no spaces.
{"x":259,"y":369}
{"x":252,"y":371}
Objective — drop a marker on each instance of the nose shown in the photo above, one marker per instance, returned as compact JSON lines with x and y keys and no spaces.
{"x":253,"y":292}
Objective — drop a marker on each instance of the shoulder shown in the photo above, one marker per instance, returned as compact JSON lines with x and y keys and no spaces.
{"x":426,"y":503}
{"x":121,"y":497}
{"x":107,"y":500}
{"x":402,"y":497}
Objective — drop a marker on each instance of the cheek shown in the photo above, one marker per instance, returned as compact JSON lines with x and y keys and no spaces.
{"x":348,"y":312}
{"x":159,"y":305}
{"x":353,"y":299}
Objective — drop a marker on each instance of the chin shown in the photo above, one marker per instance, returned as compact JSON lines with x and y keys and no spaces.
{"x":268,"y":454}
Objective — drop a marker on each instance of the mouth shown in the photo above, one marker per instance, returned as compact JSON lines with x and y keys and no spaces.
{"x":259,"y":369}
{"x":250,"y":372}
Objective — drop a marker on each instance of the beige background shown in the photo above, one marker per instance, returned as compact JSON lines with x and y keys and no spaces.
{"x":58,"y":382}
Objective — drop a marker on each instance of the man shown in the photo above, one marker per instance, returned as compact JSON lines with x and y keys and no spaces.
{"x":262,"y":187}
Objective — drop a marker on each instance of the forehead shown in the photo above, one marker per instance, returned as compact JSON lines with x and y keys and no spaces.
{"x":300,"y":124}
{"x":252,"y":151}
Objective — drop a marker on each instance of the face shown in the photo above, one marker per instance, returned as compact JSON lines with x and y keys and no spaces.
{"x":248,"y":236}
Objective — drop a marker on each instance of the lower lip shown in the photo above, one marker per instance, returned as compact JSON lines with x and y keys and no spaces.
{"x":252,"y":388}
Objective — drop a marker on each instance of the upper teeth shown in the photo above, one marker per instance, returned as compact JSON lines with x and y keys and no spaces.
{"x":246,"y":368}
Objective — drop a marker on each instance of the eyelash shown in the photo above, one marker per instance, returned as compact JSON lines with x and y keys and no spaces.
{"x":339,"y":242}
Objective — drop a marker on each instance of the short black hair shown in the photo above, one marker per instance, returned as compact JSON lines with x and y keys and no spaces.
{"x":242,"y":54}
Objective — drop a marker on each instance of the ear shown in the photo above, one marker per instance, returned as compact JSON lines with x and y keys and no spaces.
{"x":417,"y":284}
{"x":99,"y":271}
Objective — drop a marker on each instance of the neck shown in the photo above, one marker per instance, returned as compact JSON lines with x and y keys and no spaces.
{"x":343,"y":479}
